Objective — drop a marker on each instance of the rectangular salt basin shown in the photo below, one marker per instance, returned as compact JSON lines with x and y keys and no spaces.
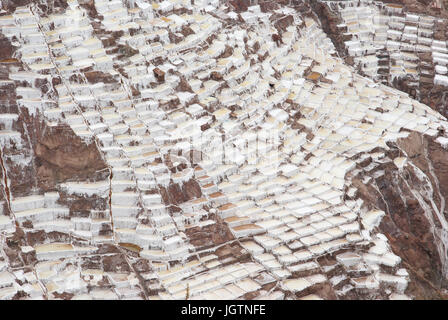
{"x":54,"y":251}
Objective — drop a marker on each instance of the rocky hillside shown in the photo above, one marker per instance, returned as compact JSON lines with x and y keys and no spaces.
{"x":215,"y":149}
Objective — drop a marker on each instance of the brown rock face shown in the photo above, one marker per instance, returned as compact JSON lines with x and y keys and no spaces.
{"x":282,"y":21}
{"x":62,"y":156}
{"x":186,"y":31}
{"x":410,"y":198}
{"x":240,"y":5}
{"x":160,"y":75}
{"x":57,"y":154}
{"x":209,"y":236}
{"x":11,"y":5}
{"x":176,"y":194}
{"x":115,"y":263}
{"x":6,"y":49}
{"x":183,"y":85}
{"x":4,"y":193}
{"x":216,"y":76}
{"x":329,"y":22}
{"x":99,"y":76}
{"x":191,"y":189}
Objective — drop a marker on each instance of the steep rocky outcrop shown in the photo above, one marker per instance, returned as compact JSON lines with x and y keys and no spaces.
{"x":329,"y":21}
{"x":414,"y":199}
{"x":62,"y":156}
